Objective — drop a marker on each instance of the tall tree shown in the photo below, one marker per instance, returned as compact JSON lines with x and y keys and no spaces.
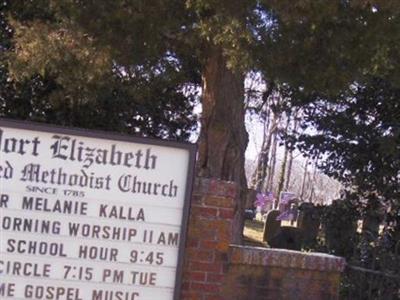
{"x":311,"y":45}
{"x":260,"y":172}
{"x":290,"y":161}
{"x":120,"y":99}
{"x":282,"y":174}
{"x":305,"y":178}
{"x":272,"y":163}
{"x":358,"y":134}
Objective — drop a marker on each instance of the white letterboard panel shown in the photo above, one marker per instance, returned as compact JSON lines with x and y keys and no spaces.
{"x":86,"y":215}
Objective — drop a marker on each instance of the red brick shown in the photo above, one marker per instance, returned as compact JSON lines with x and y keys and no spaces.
{"x":206,"y":267}
{"x":202,"y":232}
{"x":215,"y":187}
{"x":204,"y":211}
{"x":208,"y":244}
{"x":211,"y":274}
{"x":185,"y":286}
{"x":197,"y":199}
{"x":211,"y":223}
{"x":226,"y":213}
{"x":192,"y":242}
{"x":221,"y":256}
{"x":209,"y":234}
{"x":194,"y":276}
{"x":219,"y":201}
{"x":205,"y":287}
{"x":190,"y":295}
{"x":200,"y":255}
{"x":215,"y":277}
{"x":231,"y":190}
{"x":213,"y":297}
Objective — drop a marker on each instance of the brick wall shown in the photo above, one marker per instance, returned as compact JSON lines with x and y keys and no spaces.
{"x":208,"y":239}
{"x":215,"y":269}
{"x":265,"y":273}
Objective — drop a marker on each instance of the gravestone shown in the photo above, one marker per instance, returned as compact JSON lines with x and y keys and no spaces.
{"x":309,"y":223}
{"x":271,"y":226}
{"x":288,"y":237}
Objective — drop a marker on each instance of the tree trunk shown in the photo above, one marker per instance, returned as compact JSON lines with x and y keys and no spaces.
{"x":314,"y":176}
{"x":303,"y":185}
{"x":263,"y":158}
{"x":223,"y":137}
{"x":272,"y":165}
{"x":256,"y":178}
{"x":372,"y":219}
{"x":289,"y":171}
{"x":290,"y":162}
{"x":282,"y":176}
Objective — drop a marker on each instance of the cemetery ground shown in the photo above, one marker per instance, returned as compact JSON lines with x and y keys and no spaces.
{"x":254,"y":230}
{"x":366,"y":280}
{"x":253,"y":233}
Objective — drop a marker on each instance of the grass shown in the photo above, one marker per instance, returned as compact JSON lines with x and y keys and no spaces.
{"x":253,"y":233}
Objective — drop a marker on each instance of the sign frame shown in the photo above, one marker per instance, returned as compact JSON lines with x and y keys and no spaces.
{"x":115,"y":136}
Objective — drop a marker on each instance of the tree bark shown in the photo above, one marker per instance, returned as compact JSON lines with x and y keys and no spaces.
{"x":303,"y":185}
{"x":312,"y":187}
{"x":290,"y":161}
{"x":256,"y":178}
{"x":272,"y":164}
{"x":282,"y":176}
{"x":223,"y":137}
{"x":264,"y":157}
{"x":289,"y":171}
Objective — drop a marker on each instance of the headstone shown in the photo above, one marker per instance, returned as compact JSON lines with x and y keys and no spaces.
{"x":288,"y":237}
{"x":271,"y":226}
{"x":309,"y":222}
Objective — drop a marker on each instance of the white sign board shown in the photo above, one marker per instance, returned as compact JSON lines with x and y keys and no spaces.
{"x":91,"y":216}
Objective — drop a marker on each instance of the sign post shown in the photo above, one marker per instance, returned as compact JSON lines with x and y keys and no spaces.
{"x":91,"y":216}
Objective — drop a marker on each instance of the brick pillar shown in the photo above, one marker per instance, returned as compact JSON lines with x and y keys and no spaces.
{"x":214,"y":269}
{"x":208,"y":239}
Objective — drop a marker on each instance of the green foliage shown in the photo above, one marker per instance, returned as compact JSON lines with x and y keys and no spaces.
{"x":309,"y":45}
{"x":83,"y":60}
{"x":339,"y":222}
{"x":316,"y":45}
{"x":61,"y":76}
{"x":325,"y":45}
{"x":372,"y":261}
{"x":359,"y":134}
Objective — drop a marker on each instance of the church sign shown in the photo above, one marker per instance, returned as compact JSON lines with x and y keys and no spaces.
{"x":86,"y":215}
